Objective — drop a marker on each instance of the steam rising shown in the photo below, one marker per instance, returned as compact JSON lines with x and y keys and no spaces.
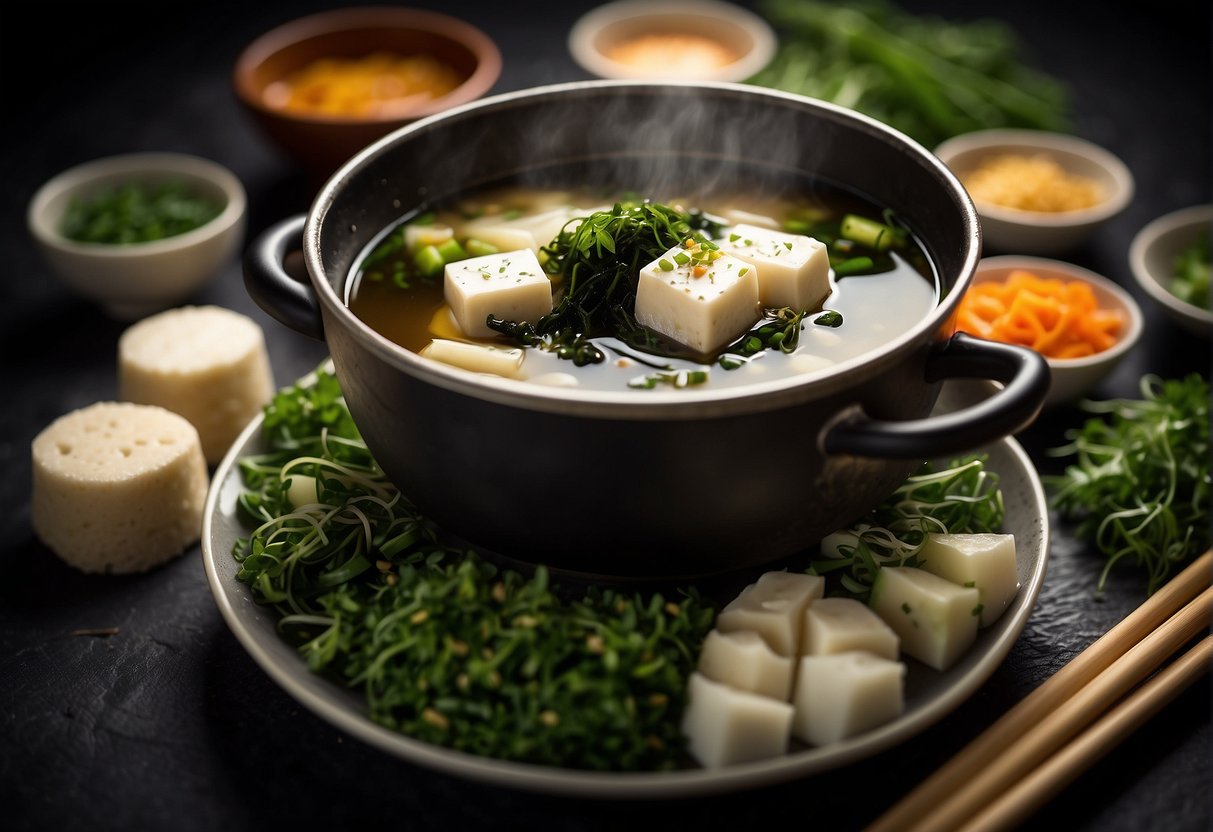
{"x":667,"y":139}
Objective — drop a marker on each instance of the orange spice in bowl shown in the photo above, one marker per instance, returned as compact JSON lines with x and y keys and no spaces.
{"x":381,"y":84}
{"x":1057,"y":318}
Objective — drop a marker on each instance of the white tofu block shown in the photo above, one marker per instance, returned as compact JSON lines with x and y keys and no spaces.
{"x":510,"y":285}
{"x":724,"y":726}
{"x":841,"y":695}
{"x":793,"y":270}
{"x":532,"y":231}
{"x":118,"y":487}
{"x":935,"y":618}
{"x":743,"y":660}
{"x":739,"y":216}
{"x":703,"y":312}
{"x":773,"y":607}
{"x":479,"y":358}
{"x":840,"y":625}
{"x":986,"y":561}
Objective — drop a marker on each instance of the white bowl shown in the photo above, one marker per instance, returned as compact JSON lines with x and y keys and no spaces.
{"x":1152,"y":257}
{"x":136,"y":279}
{"x":743,"y":32}
{"x":1072,"y":378}
{"x":1041,"y":232}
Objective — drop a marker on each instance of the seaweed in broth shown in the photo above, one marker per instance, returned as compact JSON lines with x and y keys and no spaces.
{"x":863,"y":311}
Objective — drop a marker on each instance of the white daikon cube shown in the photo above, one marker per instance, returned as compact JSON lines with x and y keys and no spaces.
{"x":479,"y":358}
{"x":743,"y":660}
{"x":842,"y":695}
{"x":935,"y":618}
{"x":840,"y":625}
{"x":773,"y":607}
{"x":724,"y":726}
{"x":702,"y":311}
{"x":510,"y":285}
{"x":986,"y":561}
{"x":793,"y":269}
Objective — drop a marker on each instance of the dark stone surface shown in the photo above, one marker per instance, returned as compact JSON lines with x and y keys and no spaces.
{"x":169,"y":724}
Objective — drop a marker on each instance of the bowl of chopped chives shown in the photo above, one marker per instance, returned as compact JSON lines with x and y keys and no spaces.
{"x":1169,"y":258}
{"x":139,"y":232}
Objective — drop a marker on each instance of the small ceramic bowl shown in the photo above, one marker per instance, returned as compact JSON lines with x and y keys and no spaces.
{"x":1152,"y":257}
{"x":131,"y":280}
{"x":1072,"y":378}
{"x":664,"y":40}
{"x":321,"y":142}
{"x":1012,"y":230}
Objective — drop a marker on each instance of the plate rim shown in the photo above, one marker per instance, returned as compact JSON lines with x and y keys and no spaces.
{"x":621,"y":785}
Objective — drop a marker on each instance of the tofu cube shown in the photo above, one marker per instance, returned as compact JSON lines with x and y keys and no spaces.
{"x":840,"y":625}
{"x":793,"y":270}
{"x":773,"y":607}
{"x":510,"y":285}
{"x":841,"y":695}
{"x":532,"y":231}
{"x":986,"y":561}
{"x":701,"y":311}
{"x":743,"y":660}
{"x":724,"y":726}
{"x":935,"y":618}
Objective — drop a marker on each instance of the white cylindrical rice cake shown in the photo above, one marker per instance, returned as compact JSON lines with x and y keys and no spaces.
{"x":118,"y":487}
{"x":205,"y":362}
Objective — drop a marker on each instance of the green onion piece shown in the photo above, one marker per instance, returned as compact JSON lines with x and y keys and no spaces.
{"x":853,"y":266}
{"x":452,"y":251}
{"x":479,"y":248}
{"x":796,"y":227}
{"x":828,"y":318}
{"x":429,"y":261}
{"x":682,"y":258}
{"x":874,"y":235}
{"x":665,"y":265}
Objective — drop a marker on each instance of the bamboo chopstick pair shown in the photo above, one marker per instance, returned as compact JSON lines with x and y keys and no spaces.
{"x":1006,"y":774}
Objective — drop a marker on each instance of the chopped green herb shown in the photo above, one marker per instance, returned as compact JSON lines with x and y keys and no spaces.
{"x":138,"y":212}
{"x":446,"y":647}
{"x":1139,"y":483}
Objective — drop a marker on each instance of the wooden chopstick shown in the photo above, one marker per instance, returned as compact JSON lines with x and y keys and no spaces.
{"x":932,"y":797}
{"x":1018,"y":803}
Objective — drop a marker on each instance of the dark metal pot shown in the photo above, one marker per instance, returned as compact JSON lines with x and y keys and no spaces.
{"x":653,"y":483}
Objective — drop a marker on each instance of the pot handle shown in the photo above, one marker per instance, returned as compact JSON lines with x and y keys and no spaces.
{"x":1024,"y":372}
{"x":287,"y":300}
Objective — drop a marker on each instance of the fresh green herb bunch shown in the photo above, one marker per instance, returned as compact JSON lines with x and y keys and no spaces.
{"x":598,"y":263}
{"x":1192,"y":272}
{"x":461,"y":655}
{"x":961,"y":498}
{"x":448,"y":648}
{"x":927,"y":77}
{"x":138,"y":213}
{"x":1139,"y":483}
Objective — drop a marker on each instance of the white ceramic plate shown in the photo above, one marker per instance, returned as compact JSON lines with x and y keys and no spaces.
{"x":929,"y":694}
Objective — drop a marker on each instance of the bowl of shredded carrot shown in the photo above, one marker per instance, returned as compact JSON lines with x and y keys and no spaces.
{"x":1037,"y":192}
{"x":1081,"y":322}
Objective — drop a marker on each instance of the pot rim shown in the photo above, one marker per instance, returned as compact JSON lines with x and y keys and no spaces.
{"x":632,"y":404}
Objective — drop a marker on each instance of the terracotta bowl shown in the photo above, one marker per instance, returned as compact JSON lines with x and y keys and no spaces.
{"x":322,"y":142}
